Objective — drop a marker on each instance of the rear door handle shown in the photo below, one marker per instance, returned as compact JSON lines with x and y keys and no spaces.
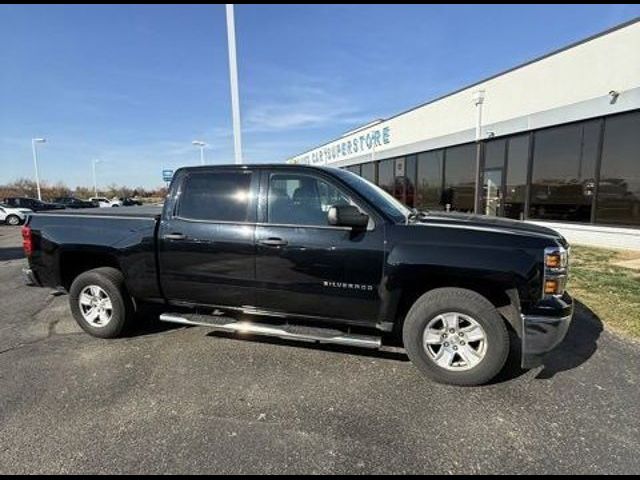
{"x":175,"y":236}
{"x":273,"y":242}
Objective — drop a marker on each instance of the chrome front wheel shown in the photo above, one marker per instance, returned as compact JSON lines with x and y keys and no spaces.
{"x":456,"y":336}
{"x":455,"y":341}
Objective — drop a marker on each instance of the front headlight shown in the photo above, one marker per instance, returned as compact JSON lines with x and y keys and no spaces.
{"x":556,"y":264}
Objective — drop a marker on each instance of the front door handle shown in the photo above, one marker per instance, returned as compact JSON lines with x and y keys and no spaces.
{"x":175,"y":236}
{"x":273,"y":242}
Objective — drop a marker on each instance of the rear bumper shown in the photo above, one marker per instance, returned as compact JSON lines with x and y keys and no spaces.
{"x":29,"y":277}
{"x":541,"y":333}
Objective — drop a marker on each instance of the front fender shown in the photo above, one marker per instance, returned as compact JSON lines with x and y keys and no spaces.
{"x":414,"y":268}
{"x":475,"y":263}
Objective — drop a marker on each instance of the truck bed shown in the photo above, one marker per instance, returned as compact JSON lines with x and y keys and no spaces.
{"x":124,"y":237}
{"x":145,"y":211}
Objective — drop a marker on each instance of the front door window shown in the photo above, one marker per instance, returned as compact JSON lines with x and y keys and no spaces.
{"x":301,"y":200}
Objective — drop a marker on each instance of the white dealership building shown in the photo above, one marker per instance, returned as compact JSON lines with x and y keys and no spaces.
{"x":554,"y":140}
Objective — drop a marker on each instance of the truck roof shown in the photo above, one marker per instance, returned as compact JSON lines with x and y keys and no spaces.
{"x":271,"y":166}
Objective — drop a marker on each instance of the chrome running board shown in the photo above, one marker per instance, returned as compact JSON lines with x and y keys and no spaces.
{"x":288,"y":332}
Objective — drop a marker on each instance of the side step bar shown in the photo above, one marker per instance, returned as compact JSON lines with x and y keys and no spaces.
{"x":287,"y":332}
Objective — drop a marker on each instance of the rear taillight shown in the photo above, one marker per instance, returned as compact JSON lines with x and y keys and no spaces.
{"x":27,"y":241}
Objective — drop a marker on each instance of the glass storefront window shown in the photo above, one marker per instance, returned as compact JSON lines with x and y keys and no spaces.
{"x":402,"y":184}
{"x":354,"y":169}
{"x":590,"y":145}
{"x":409,"y":181}
{"x":516,"y":176}
{"x":368,"y":171}
{"x":399,"y":179}
{"x":619,"y":186}
{"x":429,"y":179}
{"x":459,"y":174}
{"x":494,"y":151}
{"x":563,"y":177}
{"x":493,"y":176}
{"x":386,"y":175}
{"x":562,"y":183}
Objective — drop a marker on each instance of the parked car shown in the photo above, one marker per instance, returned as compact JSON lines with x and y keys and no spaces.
{"x":31,"y":204}
{"x":130,"y":202}
{"x":314,"y":254}
{"x":104,"y":202}
{"x":13,"y":216}
{"x":73,"y":202}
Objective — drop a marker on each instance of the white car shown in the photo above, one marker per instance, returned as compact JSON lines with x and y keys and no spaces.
{"x":13,"y":216}
{"x":104,"y":202}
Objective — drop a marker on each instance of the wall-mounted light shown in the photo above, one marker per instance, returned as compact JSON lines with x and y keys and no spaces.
{"x":613,"y":96}
{"x":478,"y":97}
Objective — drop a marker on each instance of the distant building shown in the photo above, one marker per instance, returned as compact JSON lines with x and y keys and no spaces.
{"x":555,"y":139}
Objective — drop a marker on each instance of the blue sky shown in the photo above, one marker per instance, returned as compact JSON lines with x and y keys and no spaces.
{"x":134,"y":85}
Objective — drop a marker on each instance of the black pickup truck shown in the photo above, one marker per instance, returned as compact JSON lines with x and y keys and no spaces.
{"x":313,"y":254}
{"x":73,"y":202}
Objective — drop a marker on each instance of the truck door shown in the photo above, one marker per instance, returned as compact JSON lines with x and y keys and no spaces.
{"x":206,"y":243}
{"x":305,"y":266}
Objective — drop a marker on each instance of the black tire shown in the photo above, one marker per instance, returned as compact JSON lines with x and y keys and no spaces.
{"x":111,"y":281}
{"x":466,"y":302}
{"x":13,"y":220}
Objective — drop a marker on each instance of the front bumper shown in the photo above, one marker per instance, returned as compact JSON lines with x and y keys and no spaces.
{"x":543,"y":331}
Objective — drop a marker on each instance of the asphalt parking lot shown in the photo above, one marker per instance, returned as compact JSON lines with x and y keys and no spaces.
{"x":182,"y":400}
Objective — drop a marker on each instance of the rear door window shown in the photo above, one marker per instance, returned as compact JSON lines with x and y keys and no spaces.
{"x":216,"y":196}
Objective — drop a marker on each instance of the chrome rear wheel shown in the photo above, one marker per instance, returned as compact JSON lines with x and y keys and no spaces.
{"x":95,"y":306}
{"x":100,"y":302}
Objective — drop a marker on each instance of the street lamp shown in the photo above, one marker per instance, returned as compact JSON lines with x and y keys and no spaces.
{"x":201,"y":145}
{"x":95,"y":183}
{"x":35,"y":161}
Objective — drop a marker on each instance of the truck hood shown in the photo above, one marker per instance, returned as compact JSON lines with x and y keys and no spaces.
{"x":504,"y":225}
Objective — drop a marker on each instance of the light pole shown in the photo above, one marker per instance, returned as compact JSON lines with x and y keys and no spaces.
{"x":233,"y":80}
{"x":35,"y":162}
{"x":478,"y":101}
{"x":95,"y":182}
{"x":201,"y":145}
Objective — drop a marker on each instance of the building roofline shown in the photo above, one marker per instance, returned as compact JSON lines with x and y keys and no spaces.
{"x":491,"y":77}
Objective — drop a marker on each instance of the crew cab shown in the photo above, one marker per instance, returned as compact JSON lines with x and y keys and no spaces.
{"x":313,"y":254}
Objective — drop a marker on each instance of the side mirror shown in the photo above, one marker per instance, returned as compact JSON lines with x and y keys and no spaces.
{"x":347,"y":216}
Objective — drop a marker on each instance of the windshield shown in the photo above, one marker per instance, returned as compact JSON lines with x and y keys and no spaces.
{"x":374,"y":194}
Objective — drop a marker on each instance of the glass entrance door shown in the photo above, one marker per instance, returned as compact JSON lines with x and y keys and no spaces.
{"x":492,"y":193}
